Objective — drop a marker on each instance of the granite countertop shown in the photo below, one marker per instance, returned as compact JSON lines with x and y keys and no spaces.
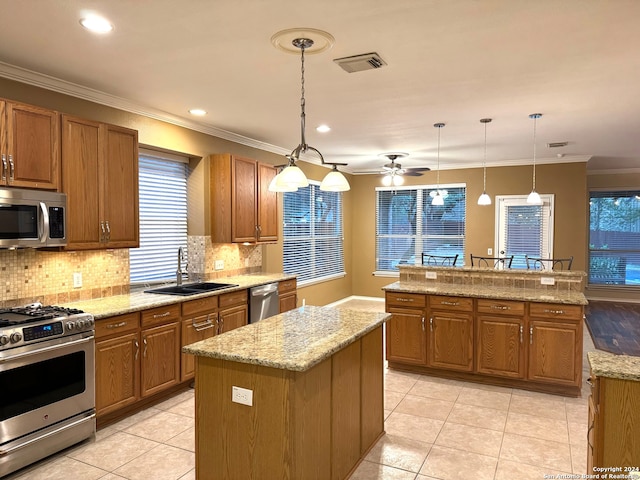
{"x":489,"y":291}
{"x":605,"y":364}
{"x":295,"y":340}
{"x":133,"y":302}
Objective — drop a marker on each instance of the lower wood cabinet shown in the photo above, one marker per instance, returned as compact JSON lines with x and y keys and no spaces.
{"x":288,"y":295}
{"x":450,"y":333}
{"x":234,"y":311}
{"x":194,"y":330}
{"x":160,"y":358}
{"x":406,"y":329}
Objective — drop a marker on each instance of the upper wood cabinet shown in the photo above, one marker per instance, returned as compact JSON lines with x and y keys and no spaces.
{"x":30,"y":141}
{"x":100,"y":178}
{"x":242,"y":207}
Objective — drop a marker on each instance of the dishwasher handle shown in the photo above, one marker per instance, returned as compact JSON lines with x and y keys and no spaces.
{"x":264,"y":290}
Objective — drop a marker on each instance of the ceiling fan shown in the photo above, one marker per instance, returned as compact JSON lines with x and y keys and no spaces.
{"x":393,"y":171}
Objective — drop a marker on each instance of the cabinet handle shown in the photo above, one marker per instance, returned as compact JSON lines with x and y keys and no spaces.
{"x":404,"y":299}
{"x":161,"y":315}
{"x":11,"y":168}
{"x":431,"y":324}
{"x":590,"y":382}
{"x":199,"y":327}
{"x":103,"y":234}
{"x":4,"y":167}
{"x":453,"y":304}
{"x":108,"y":231}
{"x":555,"y":312}
{"x":521,"y":330}
{"x":144,"y":342}
{"x":500,"y":307}
{"x":135,"y":342}
{"x":589,"y":433}
{"x":220,"y":324}
{"x":530,"y":335}
{"x":116,"y":325}
{"x":423,"y":329}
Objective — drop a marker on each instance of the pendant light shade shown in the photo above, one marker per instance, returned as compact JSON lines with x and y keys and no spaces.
{"x":294,"y":177}
{"x":484,"y":199}
{"x":277,"y":184}
{"x":438,"y":198}
{"x":534,"y":197}
{"x":334,"y":182}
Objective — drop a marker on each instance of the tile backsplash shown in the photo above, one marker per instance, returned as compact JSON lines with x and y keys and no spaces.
{"x":28,"y":275}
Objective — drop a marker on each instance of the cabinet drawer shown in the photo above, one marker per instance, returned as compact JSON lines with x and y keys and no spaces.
{"x":460,"y":304}
{"x":233,"y":298}
{"x":157,"y":316}
{"x":119,"y":324}
{"x":555,"y":310}
{"x":397,"y":299}
{"x":199,"y":306}
{"x":287,"y":286}
{"x":501,"y":307}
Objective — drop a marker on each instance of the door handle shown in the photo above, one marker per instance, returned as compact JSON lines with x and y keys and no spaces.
{"x":135,"y":342}
{"x":423,"y":329}
{"x":530,"y":335}
{"x":12,"y":169}
{"x":521,"y":330}
{"x":144,"y":342}
{"x":220,"y":324}
{"x":431,"y":324}
{"x":4,"y":167}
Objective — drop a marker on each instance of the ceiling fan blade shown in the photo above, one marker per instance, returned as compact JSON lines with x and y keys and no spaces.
{"x":412,"y":173}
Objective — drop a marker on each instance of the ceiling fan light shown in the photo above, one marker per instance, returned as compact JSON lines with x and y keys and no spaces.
{"x":386,"y":180}
{"x":438,"y":200}
{"x":534,"y":198}
{"x":484,"y":199}
{"x":335,"y":181}
{"x":293,"y":176}
{"x":398,"y":180}
{"x":277,"y":185}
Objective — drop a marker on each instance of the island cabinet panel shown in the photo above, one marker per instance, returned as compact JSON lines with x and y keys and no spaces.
{"x":372,"y":389}
{"x":406,"y":330}
{"x":451,"y":333}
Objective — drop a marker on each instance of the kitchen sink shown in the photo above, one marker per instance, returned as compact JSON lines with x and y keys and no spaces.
{"x":191,"y":288}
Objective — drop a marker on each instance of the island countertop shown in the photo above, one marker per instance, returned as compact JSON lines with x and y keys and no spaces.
{"x":605,"y":364}
{"x":295,"y":340}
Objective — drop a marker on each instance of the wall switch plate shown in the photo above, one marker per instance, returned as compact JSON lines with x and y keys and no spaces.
{"x":547,"y":280}
{"x":77,"y":280}
{"x":242,"y":395}
{"x":219,"y":265}
{"x":430,"y":275}
{"x":489,"y":251}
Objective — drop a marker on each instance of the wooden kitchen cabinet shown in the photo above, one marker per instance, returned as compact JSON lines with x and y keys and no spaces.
{"x":500,"y":348}
{"x":451,"y":333}
{"x":199,"y":322}
{"x":288,"y":295}
{"x":100,"y":178}
{"x":555,"y":344}
{"x":405,"y":330}
{"x":242,"y":207}
{"x":233,"y":311}
{"x":117,"y":363}
{"x":30,"y":146}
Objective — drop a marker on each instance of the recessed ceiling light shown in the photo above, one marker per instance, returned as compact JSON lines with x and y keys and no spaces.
{"x":198,"y":112}
{"x":323,"y":128}
{"x":96,"y":24}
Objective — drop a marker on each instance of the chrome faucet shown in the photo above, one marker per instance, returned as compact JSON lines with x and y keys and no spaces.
{"x":181,"y":270}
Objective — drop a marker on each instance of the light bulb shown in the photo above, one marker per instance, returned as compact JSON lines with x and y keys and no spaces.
{"x":386,"y":180}
{"x":398,"y":180}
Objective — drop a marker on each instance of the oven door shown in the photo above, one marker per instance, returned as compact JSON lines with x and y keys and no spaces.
{"x":44,"y":383}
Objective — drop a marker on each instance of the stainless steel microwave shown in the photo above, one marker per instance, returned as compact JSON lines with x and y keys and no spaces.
{"x":32,"y":218}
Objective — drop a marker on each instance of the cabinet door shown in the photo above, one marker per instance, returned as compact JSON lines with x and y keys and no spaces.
{"x":117,"y":373}
{"x":80,"y":181}
{"x":451,"y":340}
{"x":288,"y":302}
{"x":119,"y":195}
{"x":553,"y":352}
{"x":160,"y":358}
{"x":267,"y":205}
{"x":195,"y":330}
{"x":406,"y":336}
{"x":244,"y":220}
{"x":500,"y":346}
{"x":232,"y":318}
{"x":33,"y":148}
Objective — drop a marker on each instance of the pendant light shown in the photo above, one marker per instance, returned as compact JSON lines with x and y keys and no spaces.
{"x":484,"y":198}
{"x":534,"y":197}
{"x":292,"y":176}
{"x":438,"y":198}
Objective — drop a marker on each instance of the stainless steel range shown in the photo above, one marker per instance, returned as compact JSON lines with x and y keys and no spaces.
{"x":47,"y":382}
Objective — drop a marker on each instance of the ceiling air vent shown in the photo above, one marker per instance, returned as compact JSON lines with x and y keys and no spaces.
{"x":358,"y":63}
{"x":557,"y":144}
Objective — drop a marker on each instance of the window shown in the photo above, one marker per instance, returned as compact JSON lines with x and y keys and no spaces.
{"x":614,"y":237}
{"x":407,"y":225}
{"x":312,"y":238}
{"x":163,"y":217}
{"x":524,"y":229}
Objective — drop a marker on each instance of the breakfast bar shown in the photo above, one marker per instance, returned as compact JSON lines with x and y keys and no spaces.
{"x":298,"y":395}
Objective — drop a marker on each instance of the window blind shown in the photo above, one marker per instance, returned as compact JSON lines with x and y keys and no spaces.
{"x":312,"y":234}
{"x":163,"y":219}
{"x":614,"y":237}
{"x":407,"y":225}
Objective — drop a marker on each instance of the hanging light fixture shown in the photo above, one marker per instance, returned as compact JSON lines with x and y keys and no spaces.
{"x":292,"y":176}
{"x":484,"y":199}
{"x":438,"y":197}
{"x":534,"y":197}
{"x":278,"y":185}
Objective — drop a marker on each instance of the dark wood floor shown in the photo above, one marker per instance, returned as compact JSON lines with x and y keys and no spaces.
{"x":614,"y":327}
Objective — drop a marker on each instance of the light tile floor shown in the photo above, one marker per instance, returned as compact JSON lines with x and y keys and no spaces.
{"x":435,"y":429}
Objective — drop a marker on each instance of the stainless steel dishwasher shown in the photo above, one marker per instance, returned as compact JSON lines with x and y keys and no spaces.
{"x":263,"y":302}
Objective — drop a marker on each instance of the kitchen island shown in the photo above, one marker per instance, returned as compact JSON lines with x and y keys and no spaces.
{"x":310,"y":403}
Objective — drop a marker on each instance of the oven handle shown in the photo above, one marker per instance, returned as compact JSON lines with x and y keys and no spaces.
{"x":46,"y":435}
{"x":46,"y":349}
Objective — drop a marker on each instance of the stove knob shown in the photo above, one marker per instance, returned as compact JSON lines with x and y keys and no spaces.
{"x":80,"y":324}
{"x":71,"y":325}
{"x":15,"y":337}
{"x":4,"y":340}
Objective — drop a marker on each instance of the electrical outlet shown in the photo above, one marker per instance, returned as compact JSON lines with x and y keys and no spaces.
{"x":246,"y":262}
{"x":547,"y":280}
{"x":430,"y":275}
{"x":219,"y":265}
{"x":489,"y":251}
{"x":77,"y":280}
{"x":242,"y":395}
